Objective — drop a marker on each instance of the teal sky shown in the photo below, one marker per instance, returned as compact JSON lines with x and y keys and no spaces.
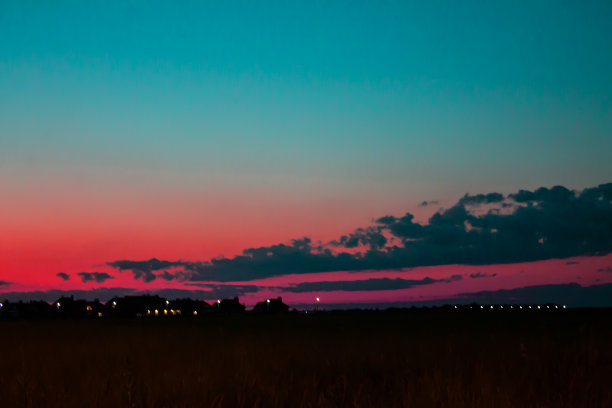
{"x":438,"y":98}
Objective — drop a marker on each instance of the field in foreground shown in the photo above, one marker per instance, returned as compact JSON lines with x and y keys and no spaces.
{"x":343,"y":359}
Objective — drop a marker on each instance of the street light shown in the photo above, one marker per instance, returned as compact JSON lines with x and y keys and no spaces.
{"x":317,"y":304}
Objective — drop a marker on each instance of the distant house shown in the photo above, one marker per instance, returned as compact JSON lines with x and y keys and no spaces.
{"x":71,"y":307}
{"x":189,"y":307}
{"x":29,"y":310}
{"x":229,"y":306}
{"x":271,"y":306}
{"x":133,"y":306}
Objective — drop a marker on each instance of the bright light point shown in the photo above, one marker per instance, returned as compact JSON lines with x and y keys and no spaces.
{"x":317,"y":299}
{"x":564,"y":306}
{"x":218,"y":301}
{"x":481,"y":306}
{"x":455,"y":306}
{"x":195,"y":313}
{"x":491,"y":306}
{"x":167,"y":302}
{"x":520,"y":307}
{"x":538,"y":306}
{"x":58,"y":304}
{"x":556,"y":307}
{"x":268,"y":300}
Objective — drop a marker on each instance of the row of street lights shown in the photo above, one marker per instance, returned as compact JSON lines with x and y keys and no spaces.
{"x":539,"y":307}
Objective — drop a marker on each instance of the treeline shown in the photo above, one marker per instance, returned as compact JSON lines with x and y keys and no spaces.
{"x":133,"y":306}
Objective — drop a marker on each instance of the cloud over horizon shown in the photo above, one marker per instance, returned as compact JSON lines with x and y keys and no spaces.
{"x":365,"y":284}
{"x":521,"y":227}
{"x":98,"y":277}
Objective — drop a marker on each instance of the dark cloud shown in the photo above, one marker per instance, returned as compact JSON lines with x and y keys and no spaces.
{"x":5,"y":283}
{"x":605,"y":270}
{"x":541,"y":224}
{"x":426,"y":203}
{"x":63,"y":275}
{"x":152,"y":264}
{"x":571,"y":294}
{"x":572,"y":263}
{"x":98,"y":277}
{"x":482,"y":275}
{"x":165,"y":275}
{"x":556,"y":194}
{"x":371,"y":237}
{"x":364,"y":285}
{"x":481,"y":199}
{"x":145,"y":269}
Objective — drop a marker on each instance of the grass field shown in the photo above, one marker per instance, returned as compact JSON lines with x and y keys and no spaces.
{"x":343,"y":359}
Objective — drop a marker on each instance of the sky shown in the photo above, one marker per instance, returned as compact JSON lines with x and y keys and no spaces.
{"x":232,"y":148}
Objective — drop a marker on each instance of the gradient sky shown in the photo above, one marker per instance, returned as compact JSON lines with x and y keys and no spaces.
{"x":137,"y":130}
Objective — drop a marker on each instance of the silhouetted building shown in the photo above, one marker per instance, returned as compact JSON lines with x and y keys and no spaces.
{"x":71,"y":307}
{"x":230,"y":306}
{"x":189,"y":307}
{"x":136,"y":306}
{"x":271,"y":306}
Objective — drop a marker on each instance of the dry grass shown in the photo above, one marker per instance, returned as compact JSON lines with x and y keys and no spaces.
{"x":328,"y":360}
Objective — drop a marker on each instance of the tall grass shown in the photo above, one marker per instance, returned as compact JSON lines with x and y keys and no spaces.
{"x":323,"y":360}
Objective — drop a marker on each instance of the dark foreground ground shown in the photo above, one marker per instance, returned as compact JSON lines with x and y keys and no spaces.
{"x":344,"y":359}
